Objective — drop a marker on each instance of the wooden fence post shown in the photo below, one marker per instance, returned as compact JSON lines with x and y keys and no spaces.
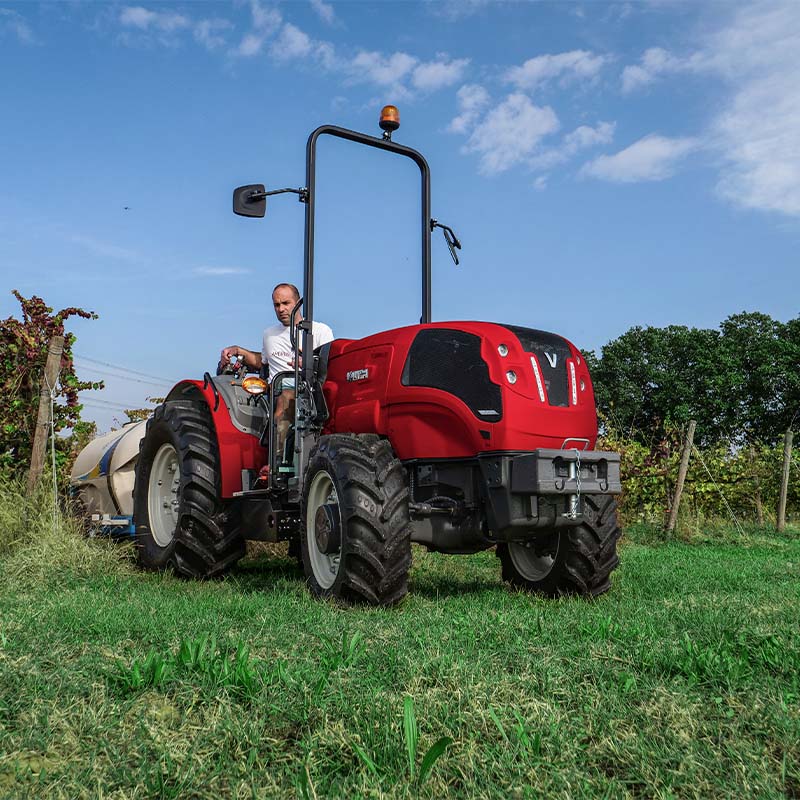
{"x":49,"y":378}
{"x":682,"y":470}
{"x":787,"y":459}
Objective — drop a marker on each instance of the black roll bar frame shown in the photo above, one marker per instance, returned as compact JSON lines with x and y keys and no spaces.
{"x":310,"y":187}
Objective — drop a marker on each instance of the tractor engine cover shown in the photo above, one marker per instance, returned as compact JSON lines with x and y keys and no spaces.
{"x":454,"y":390}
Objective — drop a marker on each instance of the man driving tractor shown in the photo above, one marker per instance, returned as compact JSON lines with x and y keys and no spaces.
{"x":276,"y":351}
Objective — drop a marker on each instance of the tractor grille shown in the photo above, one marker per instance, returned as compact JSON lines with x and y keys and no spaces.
{"x":451,"y":361}
{"x":551,"y":352}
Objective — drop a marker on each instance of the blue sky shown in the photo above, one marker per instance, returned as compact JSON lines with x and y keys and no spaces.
{"x":604,"y":164}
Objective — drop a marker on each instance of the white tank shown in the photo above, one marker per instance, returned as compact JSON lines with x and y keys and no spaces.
{"x":103,"y":473}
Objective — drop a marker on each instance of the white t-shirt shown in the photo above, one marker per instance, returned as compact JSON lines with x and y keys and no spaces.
{"x":276,"y":349}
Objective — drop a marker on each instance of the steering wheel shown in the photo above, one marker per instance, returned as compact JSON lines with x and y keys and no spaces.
{"x":235,"y":367}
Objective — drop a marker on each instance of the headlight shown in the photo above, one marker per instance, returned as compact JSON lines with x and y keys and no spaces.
{"x":254,"y":385}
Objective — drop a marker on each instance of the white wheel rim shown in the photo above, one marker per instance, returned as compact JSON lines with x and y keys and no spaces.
{"x":163,"y":495}
{"x":532,"y":566}
{"x":325,"y":566}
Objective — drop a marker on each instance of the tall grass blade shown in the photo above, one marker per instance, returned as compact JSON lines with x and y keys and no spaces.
{"x":499,"y":724}
{"x":432,"y":756}
{"x":352,"y":649}
{"x":411,"y":732}
{"x":362,"y":754}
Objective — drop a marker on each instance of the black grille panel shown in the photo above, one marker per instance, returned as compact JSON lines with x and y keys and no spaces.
{"x":450,"y":360}
{"x":551,"y":352}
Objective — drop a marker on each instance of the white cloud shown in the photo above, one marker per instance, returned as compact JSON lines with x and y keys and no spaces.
{"x":384,"y":71}
{"x":167,"y":24}
{"x":144,"y":19}
{"x":758,"y":134}
{"x":574,"y":65}
{"x":324,"y":11}
{"x":510,"y":133}
{"x":250,"y":45}
{"x":220,"y":272}
{"x":586,"y":136}
{"x":324,"y":54}
{"x":207,"y":32}
{"x":654,"y":63}
{"x":265,"y":21}
{"x":433,"y":75}
{"x":472,"y":100}
{"x":652,"y":158}
{"x":581,"y":138}
{"x":400,"y":70}
{"x":291,"y":43}
{"x":14,"y":22}
{"x":457,"y":9}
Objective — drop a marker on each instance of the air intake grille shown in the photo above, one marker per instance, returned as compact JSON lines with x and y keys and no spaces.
{"x":451,"y":361}
{"x":551,"y":352}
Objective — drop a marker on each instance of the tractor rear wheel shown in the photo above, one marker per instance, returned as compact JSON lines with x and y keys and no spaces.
{"x":355,"y":533}
{"x":576,"y":560}
{"x":181,"y":523}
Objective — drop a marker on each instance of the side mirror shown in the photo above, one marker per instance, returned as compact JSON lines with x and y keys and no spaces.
{"x":250,"y":201}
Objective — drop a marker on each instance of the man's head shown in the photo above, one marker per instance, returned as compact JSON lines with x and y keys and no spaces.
{"x":284,"y":299}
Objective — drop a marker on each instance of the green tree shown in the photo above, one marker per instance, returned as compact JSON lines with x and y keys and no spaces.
{"x":764,"y":356}
{"x":741,"y":382}
{"x":23,"y":352}
{"x":652,"y":378}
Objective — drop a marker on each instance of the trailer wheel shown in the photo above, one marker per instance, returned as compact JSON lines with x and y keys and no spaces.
{"x":576,"y":560}
{"x":181,"y":523}
{"x":355,"y":533}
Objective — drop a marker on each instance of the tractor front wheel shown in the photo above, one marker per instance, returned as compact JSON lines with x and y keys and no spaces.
{"x":181,"y":523}
{"x":576,"y":560}
{"x":355,"y":537}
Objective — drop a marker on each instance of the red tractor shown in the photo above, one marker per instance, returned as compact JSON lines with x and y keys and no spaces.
{"x":459,"y":436}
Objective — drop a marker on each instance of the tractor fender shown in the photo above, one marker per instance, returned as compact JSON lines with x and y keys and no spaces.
{"x":238,"y":426}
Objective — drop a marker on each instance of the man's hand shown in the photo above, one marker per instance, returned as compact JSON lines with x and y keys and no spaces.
{"x":248,"y":357}
{"x":228,"y":353}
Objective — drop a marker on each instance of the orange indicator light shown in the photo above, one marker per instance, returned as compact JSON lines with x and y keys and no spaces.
{"x":390,"y":118}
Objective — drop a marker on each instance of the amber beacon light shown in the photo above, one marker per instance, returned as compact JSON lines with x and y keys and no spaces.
{"x":389,"y":121}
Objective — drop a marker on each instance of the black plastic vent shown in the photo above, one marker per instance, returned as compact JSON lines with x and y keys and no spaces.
{"x":551,"y":352}
{"x":451,"y":361}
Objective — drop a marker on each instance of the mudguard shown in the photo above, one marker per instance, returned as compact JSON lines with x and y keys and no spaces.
{"x":238,"y":421}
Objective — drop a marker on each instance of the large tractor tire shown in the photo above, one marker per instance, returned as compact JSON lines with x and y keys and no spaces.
{"x":355,"y":533}
{"x":181,"y":523}
{"x":576,"y":560}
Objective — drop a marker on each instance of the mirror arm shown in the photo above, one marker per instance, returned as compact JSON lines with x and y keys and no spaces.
{"x":450,"y":237}
{"x":302,"y":193}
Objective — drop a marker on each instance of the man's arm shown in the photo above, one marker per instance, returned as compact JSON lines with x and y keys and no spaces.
{"x":250,"y":357}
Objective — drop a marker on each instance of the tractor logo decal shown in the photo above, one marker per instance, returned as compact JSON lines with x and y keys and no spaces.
{"x":358,"y":375}
{"x":552,"y":358}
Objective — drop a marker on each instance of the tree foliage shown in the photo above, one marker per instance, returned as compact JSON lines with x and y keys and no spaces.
{"x":721,"y":479}
{"x":23,"y":353}
{"x":741,"y":382}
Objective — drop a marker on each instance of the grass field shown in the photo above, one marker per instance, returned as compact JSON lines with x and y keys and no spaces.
{"x":683,"y":681}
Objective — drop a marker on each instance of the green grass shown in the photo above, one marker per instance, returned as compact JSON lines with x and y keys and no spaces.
{"x":683,"y":681}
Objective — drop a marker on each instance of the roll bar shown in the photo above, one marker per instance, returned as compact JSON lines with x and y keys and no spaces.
{"x":381,"y":144}
{"x":308,"y":274}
